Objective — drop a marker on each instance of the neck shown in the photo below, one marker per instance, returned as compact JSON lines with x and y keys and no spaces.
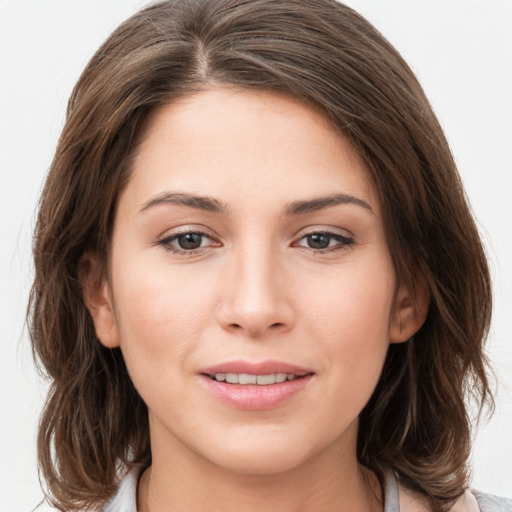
{"x":333,"y":482}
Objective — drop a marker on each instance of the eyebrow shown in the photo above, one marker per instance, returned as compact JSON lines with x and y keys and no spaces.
{"x":207,"y":204}
{"x":321,"y":203}
{"x":212,"y":205}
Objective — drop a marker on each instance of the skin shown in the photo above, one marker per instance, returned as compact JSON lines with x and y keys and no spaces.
{"x":254,"y":290}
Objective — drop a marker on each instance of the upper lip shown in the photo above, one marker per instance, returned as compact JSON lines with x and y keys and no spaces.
{"x":261,"y":368}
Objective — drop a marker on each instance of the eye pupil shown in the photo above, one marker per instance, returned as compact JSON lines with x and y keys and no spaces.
{"x":190,"y":241}
{"x":318,"y":241}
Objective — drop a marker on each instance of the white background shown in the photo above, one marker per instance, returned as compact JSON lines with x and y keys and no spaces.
{"x":460,"y":49}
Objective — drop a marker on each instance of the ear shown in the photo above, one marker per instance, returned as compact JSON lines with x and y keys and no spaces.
{"x":410,"y":311}
{"x":98,"y":299}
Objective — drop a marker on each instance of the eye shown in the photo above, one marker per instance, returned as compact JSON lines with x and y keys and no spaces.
{"x":324,"y":241}
{"x":187,"y":242}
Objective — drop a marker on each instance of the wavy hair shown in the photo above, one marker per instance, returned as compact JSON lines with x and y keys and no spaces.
{"x":94,"y":426}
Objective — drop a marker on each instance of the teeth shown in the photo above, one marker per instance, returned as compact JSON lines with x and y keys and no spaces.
{"x":265,"y":380}
{"x":246,"y":378}
{"x":232,"y":378}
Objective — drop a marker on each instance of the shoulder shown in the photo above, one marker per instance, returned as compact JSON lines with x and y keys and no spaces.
{"x":491,"y":503}
{"x":480,"y":502}
{"x":399,"y":498}
{"x":470,"y":501}
{"x":125,"y":499}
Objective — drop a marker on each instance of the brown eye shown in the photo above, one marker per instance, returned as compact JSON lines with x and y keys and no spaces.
{"x":324,"y":241}
{"x":319,"y":240}
{"x":190,"y":241}
{"x":187,"y":242}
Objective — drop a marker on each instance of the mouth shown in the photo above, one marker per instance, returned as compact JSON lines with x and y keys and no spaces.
{"x":253,"y":379}
{"x":256,"y":386}
{"x":264,"y":373}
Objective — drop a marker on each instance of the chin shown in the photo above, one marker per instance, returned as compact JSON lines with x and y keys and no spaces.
{"x":262,"y":463}
{"x":263,"y":455}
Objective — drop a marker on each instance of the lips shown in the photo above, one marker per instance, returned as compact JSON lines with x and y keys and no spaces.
{"x":263,"y":368}
{"x":255,"y":386}
{"x":253,"y":379}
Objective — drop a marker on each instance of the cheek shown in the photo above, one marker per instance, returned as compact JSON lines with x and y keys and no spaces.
{"x":350,"y":318}
{"x":350,"y":305}
{"x":160,"y":316}
{"x":160,"y":311}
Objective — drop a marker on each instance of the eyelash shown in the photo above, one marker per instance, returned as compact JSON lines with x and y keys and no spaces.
{"x":345,"y":242}
{"x":167,"y":241}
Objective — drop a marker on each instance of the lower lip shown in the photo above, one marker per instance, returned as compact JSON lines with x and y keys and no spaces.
{"x":252,"y":397}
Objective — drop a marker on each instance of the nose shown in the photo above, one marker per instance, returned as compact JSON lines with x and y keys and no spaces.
{"x":255,"y":296}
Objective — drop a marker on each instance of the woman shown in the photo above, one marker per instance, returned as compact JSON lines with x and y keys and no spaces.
{"x":252,"y":261}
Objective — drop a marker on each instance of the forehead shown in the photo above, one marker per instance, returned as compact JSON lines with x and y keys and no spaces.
{"x":242,"y":144}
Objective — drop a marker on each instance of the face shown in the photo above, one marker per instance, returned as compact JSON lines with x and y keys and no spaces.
{"x":250,"y":283}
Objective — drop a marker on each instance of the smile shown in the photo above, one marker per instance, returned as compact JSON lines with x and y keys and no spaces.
{"x":256,"y":386}
{"x":247,"y":378}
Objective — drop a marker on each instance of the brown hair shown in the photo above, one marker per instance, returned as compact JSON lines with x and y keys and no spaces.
{"x":94,"y":426}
